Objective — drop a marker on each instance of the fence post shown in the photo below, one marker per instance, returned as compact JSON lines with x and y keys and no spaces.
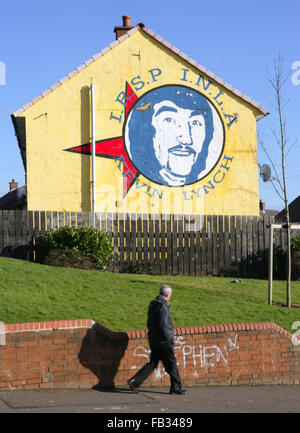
{"x":270,"y":283}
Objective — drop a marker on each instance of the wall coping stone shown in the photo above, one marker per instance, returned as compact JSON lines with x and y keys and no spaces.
{"x":141,"y":333}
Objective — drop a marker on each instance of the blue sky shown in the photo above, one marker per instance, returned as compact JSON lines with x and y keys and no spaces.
{"x":41,"y":42}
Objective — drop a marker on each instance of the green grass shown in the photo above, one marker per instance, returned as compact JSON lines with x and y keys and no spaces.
{"x":33,"y":292}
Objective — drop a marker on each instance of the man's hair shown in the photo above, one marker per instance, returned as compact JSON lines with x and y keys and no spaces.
{"x":165,"y":289}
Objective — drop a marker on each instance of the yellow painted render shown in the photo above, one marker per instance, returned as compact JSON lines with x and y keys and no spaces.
{"x":61,"y":180}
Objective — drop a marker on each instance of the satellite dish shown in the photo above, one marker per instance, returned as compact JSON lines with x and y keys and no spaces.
{"x":265,"y":173}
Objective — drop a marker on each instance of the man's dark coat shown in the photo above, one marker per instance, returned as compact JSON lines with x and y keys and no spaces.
{"x":160,"y":325}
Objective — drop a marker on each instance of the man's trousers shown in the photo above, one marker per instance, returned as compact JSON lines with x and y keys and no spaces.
{"x":164,"y":353}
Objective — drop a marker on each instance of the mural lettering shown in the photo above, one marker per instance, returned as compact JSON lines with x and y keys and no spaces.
{"x":218,"y":177}
{"x":138,"y":84}
{"x":198,"y":81}
{"x":205,"y":86}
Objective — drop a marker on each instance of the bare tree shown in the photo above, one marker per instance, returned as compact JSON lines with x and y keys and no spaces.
{"x":278,"y":78}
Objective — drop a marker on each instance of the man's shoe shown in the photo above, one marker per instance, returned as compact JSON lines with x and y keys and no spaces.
{"x":178,"y":391}
{"x":132,"y":387}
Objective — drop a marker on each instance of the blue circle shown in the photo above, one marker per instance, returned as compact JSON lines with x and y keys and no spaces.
{"x":139,"y":134}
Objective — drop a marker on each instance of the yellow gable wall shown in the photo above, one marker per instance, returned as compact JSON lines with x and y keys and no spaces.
{"x":61,"y":180}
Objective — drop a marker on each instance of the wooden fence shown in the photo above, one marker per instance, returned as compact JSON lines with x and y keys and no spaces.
{"x":234,"y":246}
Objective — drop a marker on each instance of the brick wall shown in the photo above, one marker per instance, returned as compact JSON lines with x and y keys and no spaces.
{"x":81,"y":354}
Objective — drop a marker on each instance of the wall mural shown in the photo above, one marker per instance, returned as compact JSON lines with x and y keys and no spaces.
{"x":173,"y":135}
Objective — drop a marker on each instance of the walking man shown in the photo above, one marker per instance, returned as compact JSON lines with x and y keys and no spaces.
{"x":161,"y":341}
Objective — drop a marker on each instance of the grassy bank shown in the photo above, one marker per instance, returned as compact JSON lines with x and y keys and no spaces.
{"x":33,"y":292}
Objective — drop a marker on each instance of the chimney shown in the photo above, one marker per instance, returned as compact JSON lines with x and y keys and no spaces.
{"x":120,"y":30}
{"x":13,"y":185}
{"x":261,"y":206}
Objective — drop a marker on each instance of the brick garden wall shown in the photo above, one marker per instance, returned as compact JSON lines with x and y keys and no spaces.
{"x":81,"y":354}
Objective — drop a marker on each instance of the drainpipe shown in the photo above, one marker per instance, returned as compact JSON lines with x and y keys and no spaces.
{"x":93,"y":152}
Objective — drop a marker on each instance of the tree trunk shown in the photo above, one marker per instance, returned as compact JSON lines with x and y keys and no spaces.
{"x":289,"y":264}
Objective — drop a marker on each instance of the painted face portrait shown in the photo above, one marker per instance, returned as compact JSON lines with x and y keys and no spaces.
{"x":168,"y":134}
{"x":178,"y":139}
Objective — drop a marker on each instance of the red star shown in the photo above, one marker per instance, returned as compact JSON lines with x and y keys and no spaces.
{"x":114,"y":147}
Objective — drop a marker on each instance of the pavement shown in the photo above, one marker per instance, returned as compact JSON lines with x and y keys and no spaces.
{"x":210,"y":399}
